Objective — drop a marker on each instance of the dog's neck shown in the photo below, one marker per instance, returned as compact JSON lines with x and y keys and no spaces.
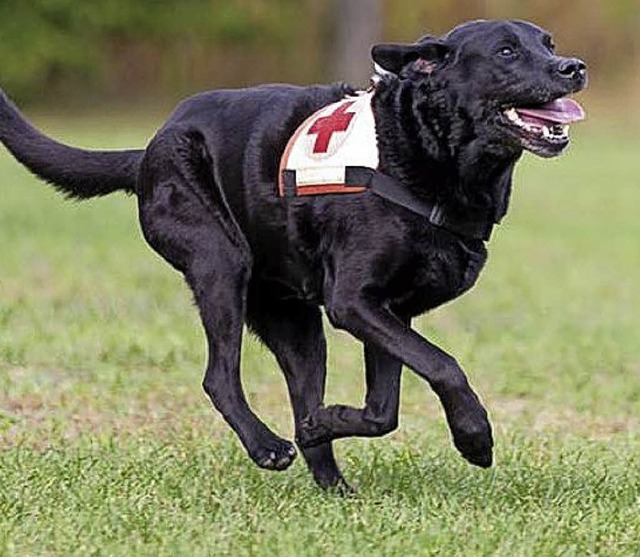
{"x":440,"y":158}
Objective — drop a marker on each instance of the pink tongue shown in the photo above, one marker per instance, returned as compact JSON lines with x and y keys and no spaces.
{"x":560,"y":111}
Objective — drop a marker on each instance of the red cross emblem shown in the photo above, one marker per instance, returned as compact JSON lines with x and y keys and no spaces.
{"x":325,"y":127}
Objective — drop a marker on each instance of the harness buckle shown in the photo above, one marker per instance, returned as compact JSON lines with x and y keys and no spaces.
{"x":436,"y":216}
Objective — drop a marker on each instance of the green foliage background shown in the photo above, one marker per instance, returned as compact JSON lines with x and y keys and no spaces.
{"x":96,"y":46}
{"x":123,"y":50}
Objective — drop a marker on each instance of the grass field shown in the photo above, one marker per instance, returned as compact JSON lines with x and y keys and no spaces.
{"x":109,"y":447}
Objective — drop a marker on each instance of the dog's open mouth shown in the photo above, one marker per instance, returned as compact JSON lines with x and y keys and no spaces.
{"x":544,"y":129}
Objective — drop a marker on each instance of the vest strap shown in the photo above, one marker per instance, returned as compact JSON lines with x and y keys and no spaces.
{"x":360,"y":179}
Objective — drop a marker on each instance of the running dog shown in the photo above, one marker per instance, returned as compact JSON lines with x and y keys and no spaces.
{"x":277,"y":200}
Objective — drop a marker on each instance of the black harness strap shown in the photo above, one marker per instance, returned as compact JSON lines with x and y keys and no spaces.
{"x":436,"y":213}
{"x":392,"y":190}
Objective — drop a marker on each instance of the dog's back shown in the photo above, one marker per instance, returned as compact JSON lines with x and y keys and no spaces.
{"x":245,"y":132}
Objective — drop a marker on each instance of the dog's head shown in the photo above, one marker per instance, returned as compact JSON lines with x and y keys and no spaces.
{"x":500,"y":80}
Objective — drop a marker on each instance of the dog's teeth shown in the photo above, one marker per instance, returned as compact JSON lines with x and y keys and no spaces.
{"x":512,"y":114}
{"x":556,"y":132}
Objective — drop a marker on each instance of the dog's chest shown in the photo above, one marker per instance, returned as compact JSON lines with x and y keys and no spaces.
{"x":435,"y":276}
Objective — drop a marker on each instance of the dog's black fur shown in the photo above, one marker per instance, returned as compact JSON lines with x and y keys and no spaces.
{"x":206,"y":187}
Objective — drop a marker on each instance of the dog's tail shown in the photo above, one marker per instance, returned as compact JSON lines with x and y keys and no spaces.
{"x":77,"y":173}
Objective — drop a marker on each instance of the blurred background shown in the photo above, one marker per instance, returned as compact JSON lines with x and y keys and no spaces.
{"x":151,"y":52}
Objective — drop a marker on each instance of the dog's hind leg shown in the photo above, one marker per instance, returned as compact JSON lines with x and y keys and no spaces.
{"x":293,"y":332}
{"x":185,"y":219}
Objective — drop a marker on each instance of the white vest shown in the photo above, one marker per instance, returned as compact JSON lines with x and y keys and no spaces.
{"x":338,"y":136}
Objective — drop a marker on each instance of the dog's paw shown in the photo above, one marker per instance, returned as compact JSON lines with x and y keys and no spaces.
{"x":312,"y":432}
{"x":339,"y":488}
{"x":475,"y":442}
{"x":332,"y":481}
{"x":274,"y":454}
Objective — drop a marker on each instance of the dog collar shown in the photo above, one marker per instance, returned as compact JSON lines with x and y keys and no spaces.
{"x":335,"y":151}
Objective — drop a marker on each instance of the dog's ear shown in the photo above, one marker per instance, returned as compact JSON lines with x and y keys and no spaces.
{"x":425,"y":55}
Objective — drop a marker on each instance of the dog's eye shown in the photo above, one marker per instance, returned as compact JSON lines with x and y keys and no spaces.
{"x":507,"y":52}
{"x":547,"y":41}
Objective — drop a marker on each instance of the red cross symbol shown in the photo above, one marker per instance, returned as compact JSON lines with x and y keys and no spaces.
{"x":325,"y":127}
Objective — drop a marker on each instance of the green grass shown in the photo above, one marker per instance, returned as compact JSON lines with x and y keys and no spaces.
{"x":109,"y":447}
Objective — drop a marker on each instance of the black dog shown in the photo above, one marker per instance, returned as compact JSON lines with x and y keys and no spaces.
{"x":452,"y":117}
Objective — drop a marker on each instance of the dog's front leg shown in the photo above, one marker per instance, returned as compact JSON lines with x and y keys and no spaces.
{"x":370,"y":321}
{"x":379,"y":415}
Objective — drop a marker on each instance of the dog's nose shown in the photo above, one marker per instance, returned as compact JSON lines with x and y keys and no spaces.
{"x":572,"y":68}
